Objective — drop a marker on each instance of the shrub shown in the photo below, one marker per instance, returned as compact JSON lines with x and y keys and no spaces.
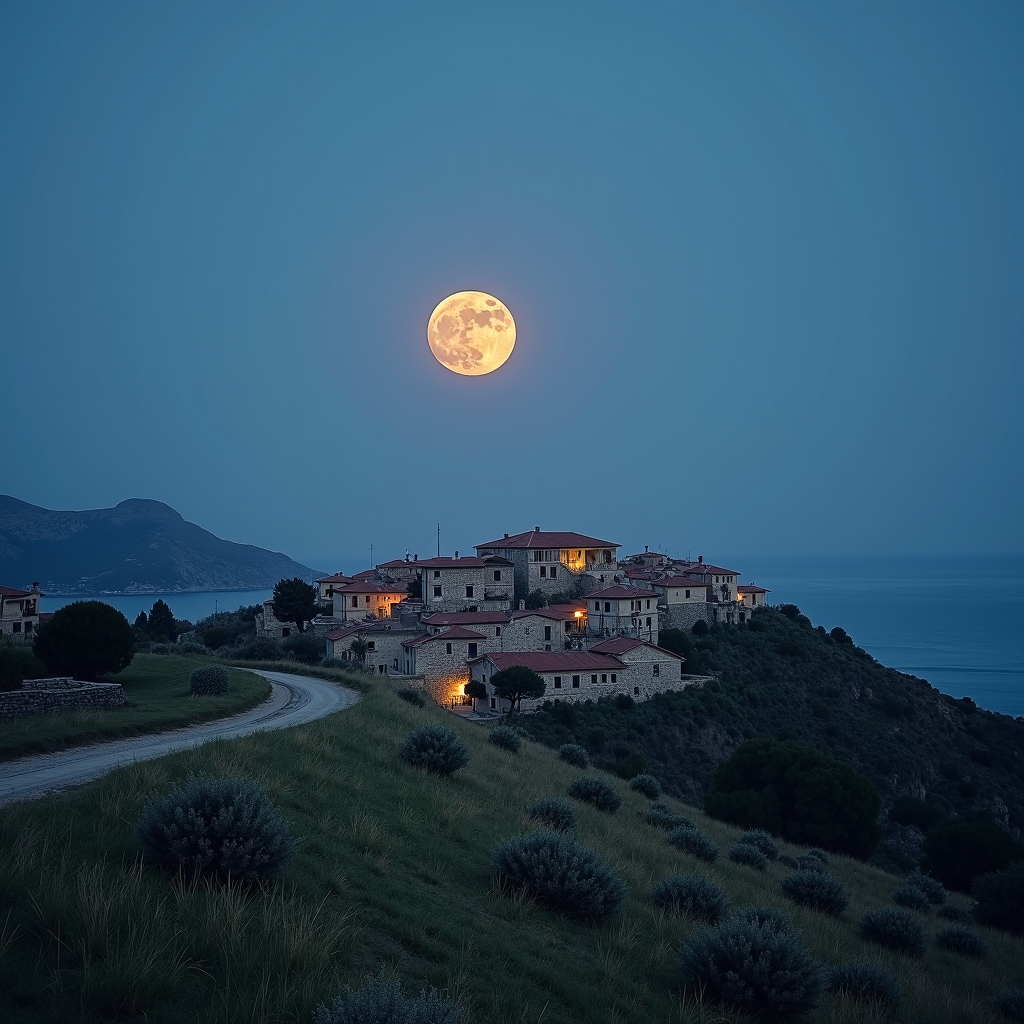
{"x":435,"y":748}
{"x":699,"y":628}
{"x":412,"y":696}
{"x":661,"y":816}
{"x":957,"y":853}
{"x":17,"y":663}
{"x":1000,"y":897}
{"x":743,"y":853}
{"x":819,"y":892}
{"x":789,"y":862}
{"x":912,"y":898}
{"x":692,"y":841}
{"x":894,"y":929}
{"x":85,"y":639}
{"x":950,"y":912}
{"x":909,"y":810}
{"x":380,"y":1001}
{"x":646,"y":785}
{"x":1010,"y":1003}
{"x":805,"y":862}
{"x":218,"y":827}
{"x":931,"y":887}
{"x":592,"y":790}
{"x":505,"y":738}
{"x":764,"y":841}
{"x":159,"y":648}
{"x":865,"y":982}
{"x":753,"y":965}
{"x":210,"y":679}
{"x":560,"y":874}
{"x":797,"y":792}
{"x":516,"y":682}
{"x":693,"y":896}
{"x":765,"y":917}
{"x":574,"y":754}
{"x":260,"y":648}
{"x":958,"y":939}
{"x":304,"y":647}
{"x":554,"y":813}
{"x":817,"y":854}
{"x":191,"y":647}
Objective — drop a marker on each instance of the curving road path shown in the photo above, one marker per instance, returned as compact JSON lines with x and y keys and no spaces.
{"x":295,"y":700}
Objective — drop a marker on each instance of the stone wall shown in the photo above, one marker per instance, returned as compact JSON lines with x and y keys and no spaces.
{"x":51,"y":696}
{"x":489,"y":595}
{"x":684,"y":615}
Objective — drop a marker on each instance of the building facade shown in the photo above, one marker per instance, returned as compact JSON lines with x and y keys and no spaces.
{"x":19,"y":612}
{"x":471,"y":583}
{"x":623,"y":611}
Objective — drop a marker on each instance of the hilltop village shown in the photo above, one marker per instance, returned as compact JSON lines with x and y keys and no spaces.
{"x":565,"y":605}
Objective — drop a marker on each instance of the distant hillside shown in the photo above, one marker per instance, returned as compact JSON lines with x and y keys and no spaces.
{"x":139,"y":547}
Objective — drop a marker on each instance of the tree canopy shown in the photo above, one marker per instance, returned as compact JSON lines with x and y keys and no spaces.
{"x":799,"y":793}
{"x":85,"y":639}
{"x":516,"y":682}
{"x":161,"y":620}
{"x":960,"y":851}
{"x":294,"y":601}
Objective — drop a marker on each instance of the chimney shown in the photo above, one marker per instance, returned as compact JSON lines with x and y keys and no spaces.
{"x":416,"y":558}
{"x":506,"y":536}
{"x":456,"y":554}
{"x":645,"y":549}
{"x":536,"y":529}
{"x":407,"y":556}
{"x":35,"y":589}
{"x":700,"y":559}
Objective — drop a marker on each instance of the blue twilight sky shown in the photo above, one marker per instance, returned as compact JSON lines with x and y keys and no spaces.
{"x":766,"y":263}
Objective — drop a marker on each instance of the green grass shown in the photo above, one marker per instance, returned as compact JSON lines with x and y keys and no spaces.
{"x":157,"y":697}
{"x":393,"y":870}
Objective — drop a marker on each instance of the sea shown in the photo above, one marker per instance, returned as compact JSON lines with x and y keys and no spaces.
{"x":957,"y":621}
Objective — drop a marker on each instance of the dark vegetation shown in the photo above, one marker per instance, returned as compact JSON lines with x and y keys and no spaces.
{"x":85,"y":639}
{"x":505,"y":738}
{"x":1000,"y":898}
{"x":895,"y":929}
{"x":295,"y":601}
{"x":17,"y":663}
{"x":865,"y":982}
{"x":380,"y":1000}
{"x":592,"y":789}
{"x":779,"y":678}
{"x":816,"y":890}
{"x":435,"y":748}
{"x":556,"y":814}
{"x":695,"y":896}
{"x":515,"y":683}
{"x":210,"y":679}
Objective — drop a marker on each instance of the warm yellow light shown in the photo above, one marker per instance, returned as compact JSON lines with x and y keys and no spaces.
{"x":579,"y":615}
{"x":471,"y":333}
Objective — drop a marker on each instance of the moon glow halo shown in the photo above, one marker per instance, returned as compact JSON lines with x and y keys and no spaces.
{"x":471,"y":333}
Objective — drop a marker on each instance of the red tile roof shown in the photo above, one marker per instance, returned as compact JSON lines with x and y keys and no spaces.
{"x":568,"y":611}
{"x":455,"y":633}
{"x":366,"y":587}
{"x":547,"y":539}
{"x":13,"y":592}
{"x":465,"y":562}
{"x":544,"y":613}
{"x":396,"y":563}
{"x":620,"y":645}
{"x":366,"y":574}
{"x":367,"y":626}
{"x":554,"y":661}
{"x":338,"y":577}
{"x":464,"y":618}
{"x":619,"y":592}
{"x":679,"y":581}
{"x":703,"y":569}
{"x":749,"y":588}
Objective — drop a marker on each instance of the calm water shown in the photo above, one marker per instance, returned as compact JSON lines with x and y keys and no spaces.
{"x":957,"y":622}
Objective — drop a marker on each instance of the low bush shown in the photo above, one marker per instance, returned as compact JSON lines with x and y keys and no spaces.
{"x":1000,"y":897}
{"x":789,"y":862}
{"x":805,"y":862}
{"x":1010,"y":1003}
{"x":912,"y":898}
{"x":819,"y":892}
{"x":593,"y":790}
{"x":560,"y":874}
{"x":692,"y":841}
{"x":412,"y":696}
{"x":259,"y":648}
{"x":951,"y":912}
{"x":763,"y":840}
{"x":210,"y":679}
{"x":819,"y":855}
{"x":958,"y":939}
{"x":693,"y":895}
{"x":380,"y":1001}
{"x":219,"y":827}
{"x":661,"y":816}
{"x":646,"y":785}
{"x":574,"y":754}
{"x":554,"y":813}
{"x":865,"y":982}
{"x":765,"y":917}
{"x":933,"y":889}
{"x":894,"y":929}
{"x":742,"y":853}
{"x":505,"y":738}
{"x":17,"y":663}
{"x":753,"y":965}
{"x":434,"y":748}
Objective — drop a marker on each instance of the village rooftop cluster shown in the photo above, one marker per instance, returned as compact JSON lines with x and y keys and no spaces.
{"x":565,"y":605}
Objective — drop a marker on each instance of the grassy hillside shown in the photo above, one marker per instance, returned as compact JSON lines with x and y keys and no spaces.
{"x":156,"y":691}
{"x":783,"y":678}
{"x":393,"y":870}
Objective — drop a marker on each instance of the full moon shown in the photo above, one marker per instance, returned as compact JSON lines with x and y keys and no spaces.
{"x":471,"y":333}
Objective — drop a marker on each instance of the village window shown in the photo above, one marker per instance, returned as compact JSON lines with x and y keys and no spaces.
{"x":554,"y":570}
{"x":682,"y":670}
{"x":547,"y":632}
{"x":497,"y":575}
{"x":16,"y":627}
{"x":648,"y":605}
{"x":636,"y":691}
{"x":547,"y":647}
{"x":593,"y":679}
{"x":558,"y":682}
{"x":447,"y":648}
{"x":494,"y":703}
{"x":472,"y":650}
{"x":437,"y":591}
{"x":597,"y":606}
{"x":657,"y":669}
{"x":687,"y":593}
{"x":497,"y":630}
{"x":604,"y":677}
{"x":371,"y":645}
{"x":355,"y":601}
{"x":543,"y":571}
{"x":607,"y":606}
{"x":437,"y":574}
{"x":613,"y":679}
{"x":469,"y":591}
{"x":648,"y":622}
{"x":28,"y":627}
{"x":576,"y":682}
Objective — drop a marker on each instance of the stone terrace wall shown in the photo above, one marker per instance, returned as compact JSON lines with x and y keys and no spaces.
{"x":51,"y":696}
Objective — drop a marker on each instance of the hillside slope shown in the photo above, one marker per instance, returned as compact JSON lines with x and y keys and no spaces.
{"x":783,"y":678}
{"x":139,"y":547}
{"x":394,"y":870}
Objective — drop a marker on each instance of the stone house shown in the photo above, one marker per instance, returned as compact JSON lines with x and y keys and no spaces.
{"x":647,"y":560}
{"x":399,"y":570}
{"x":489,"y":623}
{"x":442,"y":660}
{"x":683,"y":600}
{"x":470,"y":583}
{"x":19,"y":612}
{"x":555,"y":627}
{"x":552,"y":562}
{"x":652,"y":669}
{"x":364,"y":598}
{"x":749,"y":598}
{"x":327,"y":585}
{"x":383,"y":638}
{"x":623,"y":611}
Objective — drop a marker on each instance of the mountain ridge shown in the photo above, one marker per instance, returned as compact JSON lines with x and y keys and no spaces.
{"x":140,"y":546}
